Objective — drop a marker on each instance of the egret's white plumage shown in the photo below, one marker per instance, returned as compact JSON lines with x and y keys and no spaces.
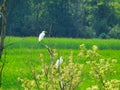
{"x":58,"y":62}
{"x":41,"y":35}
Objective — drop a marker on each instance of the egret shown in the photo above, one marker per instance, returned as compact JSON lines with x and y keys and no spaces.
{"x":58,"y":62}
{"x":41,"y":35}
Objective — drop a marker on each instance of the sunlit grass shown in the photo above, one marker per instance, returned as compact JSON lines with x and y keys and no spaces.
{"x":17,"y":66}
{"x":25,"y":50}
{"x":62,"y":43}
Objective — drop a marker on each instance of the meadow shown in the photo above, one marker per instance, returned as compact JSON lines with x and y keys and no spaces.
{"x":20,"y":52}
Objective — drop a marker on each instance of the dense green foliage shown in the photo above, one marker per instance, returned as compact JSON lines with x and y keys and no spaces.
{"x":64,"y":18}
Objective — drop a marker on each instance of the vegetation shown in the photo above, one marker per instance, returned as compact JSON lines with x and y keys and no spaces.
{"x":61,"y":43}
{"x":3,"y":12}
{"x":64,"y":18}
{"x":60,"y":63}
{"x":21,"y":60}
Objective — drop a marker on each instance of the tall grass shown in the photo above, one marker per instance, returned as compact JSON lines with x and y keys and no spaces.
{"x":62,"y":43}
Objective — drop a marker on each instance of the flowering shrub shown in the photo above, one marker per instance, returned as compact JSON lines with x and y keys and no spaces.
{"x":101,"y":69}
{"x":95,"y":87}
{"x":68,"y":75}
{"x":113,"y":84}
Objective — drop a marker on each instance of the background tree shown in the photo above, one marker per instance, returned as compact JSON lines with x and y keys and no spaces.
{"x":2,"y":38}
{"x":63,"y":18}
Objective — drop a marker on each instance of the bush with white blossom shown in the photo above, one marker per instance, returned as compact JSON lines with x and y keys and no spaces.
{"x":69,"y":75}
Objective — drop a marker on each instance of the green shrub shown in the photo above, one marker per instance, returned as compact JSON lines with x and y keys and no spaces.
{"x":115,"y":32}
{"x":70,"y":74}
{"x":104,"y":36}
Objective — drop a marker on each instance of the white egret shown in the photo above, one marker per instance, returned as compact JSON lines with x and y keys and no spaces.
{"x":58,"y":62}
{"x":41,"y":35}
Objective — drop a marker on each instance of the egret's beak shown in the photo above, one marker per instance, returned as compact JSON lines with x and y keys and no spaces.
{"x":45,"y":31}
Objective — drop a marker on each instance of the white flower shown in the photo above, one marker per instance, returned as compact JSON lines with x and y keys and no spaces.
{"x":58,"y":62}
{"x":41,"y":35}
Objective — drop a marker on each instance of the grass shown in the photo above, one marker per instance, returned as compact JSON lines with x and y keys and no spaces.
{"x":62,"y":43}
{"x":26,"y":50}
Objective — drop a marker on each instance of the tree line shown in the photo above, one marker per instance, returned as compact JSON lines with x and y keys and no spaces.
{"x":64,"y":18}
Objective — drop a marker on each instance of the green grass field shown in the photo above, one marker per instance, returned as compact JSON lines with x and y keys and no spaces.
{"x":62,"y":43}
{"x":24,"y":50}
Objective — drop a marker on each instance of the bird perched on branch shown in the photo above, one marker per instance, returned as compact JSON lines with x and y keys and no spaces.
{"x":58,"y":62}
{"x":41,"y":35}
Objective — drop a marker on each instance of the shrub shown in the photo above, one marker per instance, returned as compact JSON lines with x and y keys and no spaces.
{"x":69,"y":74}
{"x":104,"y":36}
{"x":66,"y":77}
{"x":115,"y":32}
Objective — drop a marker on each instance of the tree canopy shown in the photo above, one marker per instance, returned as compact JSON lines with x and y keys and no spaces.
{"x":64,"y":18}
